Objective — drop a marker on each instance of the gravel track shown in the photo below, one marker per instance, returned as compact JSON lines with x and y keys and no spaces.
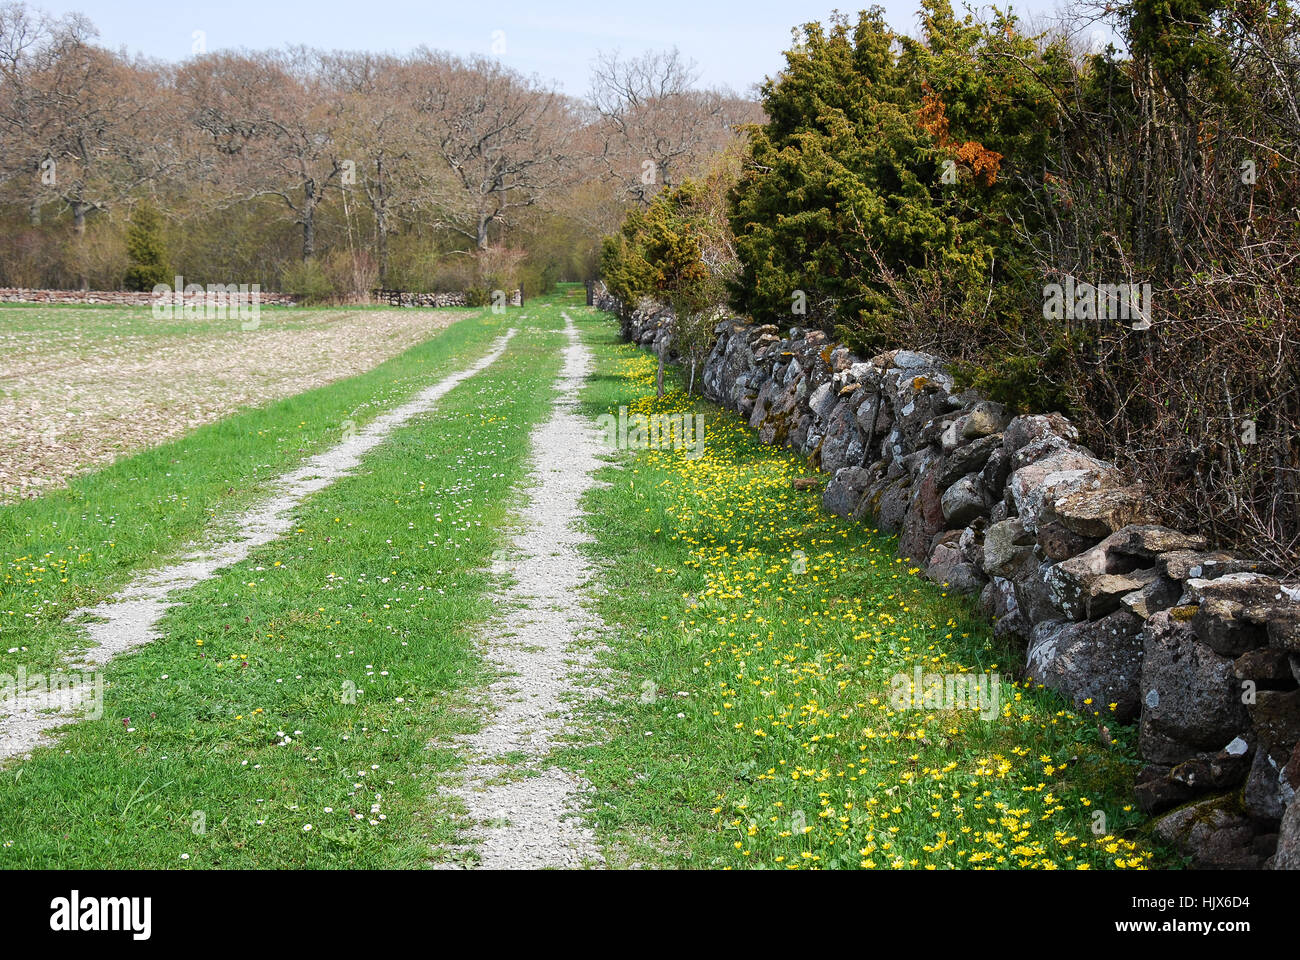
{"x":522,"y":812}
{"x":129,"y":619}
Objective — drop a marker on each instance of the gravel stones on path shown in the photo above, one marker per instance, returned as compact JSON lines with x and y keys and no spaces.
{"x":523,"y":811}
{"x":129,"y":618}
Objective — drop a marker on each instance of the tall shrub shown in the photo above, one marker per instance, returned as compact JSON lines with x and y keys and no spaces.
{"x":146,"y":250}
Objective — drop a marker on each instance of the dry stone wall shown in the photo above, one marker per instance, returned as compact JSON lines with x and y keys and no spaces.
{"x":1198,"y":647}
{"x":408,"y":299}
{"x":124,"y":297}
{"x":145,"y":299}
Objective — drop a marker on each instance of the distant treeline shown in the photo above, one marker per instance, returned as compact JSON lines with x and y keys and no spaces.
{"x":326,"y":174}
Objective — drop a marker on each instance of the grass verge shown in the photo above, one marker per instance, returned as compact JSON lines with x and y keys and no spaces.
{"x":761,"y":722}
{"x":296,"y":710}
{"x":72,"y":548}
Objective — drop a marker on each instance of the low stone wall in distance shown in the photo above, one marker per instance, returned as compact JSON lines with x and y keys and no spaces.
{"x":265,"y":299}
{"x":407,"y":299}
{"x":127,"y":298}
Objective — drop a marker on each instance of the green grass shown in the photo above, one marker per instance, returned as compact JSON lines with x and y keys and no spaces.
{"x":73,"y":547}
{"x":752,"y":640}
{"x":239,"y":718}
{"x":754,"y":728}
{"x":94,"y":322}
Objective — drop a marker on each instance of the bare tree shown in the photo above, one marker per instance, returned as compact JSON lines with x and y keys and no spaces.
{"x":82,"y":126}
{"x":385,"y":159}
{"x":461,"y":154}
{"x":23,"y":141}
{"x":657,"y":127}
{"x":504,"y":138}
{"x":275,"y":119}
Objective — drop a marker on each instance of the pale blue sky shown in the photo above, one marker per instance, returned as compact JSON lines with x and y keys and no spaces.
{"x":735,"y":42}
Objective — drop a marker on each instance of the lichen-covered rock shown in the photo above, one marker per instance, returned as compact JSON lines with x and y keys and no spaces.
{"x":1264,"y":665}
{"x":843,"y":493}
{"x":1208,"y":565}
{"x":1037,"y":450}
{"x":766,"y":397}
{"x":842,"y":445}
{"x":1215,"y":771}
{"x":1215,"y":832}
{"x":997,"y":600}
{"x":1099,"y":513}
{"x":1275,"y":715}
{"x":1244,"y":589}
{"x":1262,"y":796}
{"x":971,"y":544}
{"x":1008,"y":546}
{"x":1032,"y":595}
{"x":1283,"y":627}
{"x":1160,"y":594}
{"x":1035,"y":486}
{"x":1280,"y":617}
{"x":732,"y":358}
{"x":801,"y":437}
{"x":1147,"y":541}
{"x":1083,"y":590}
{"x":1009,"y":623}
{"x":1023,"y":430}
{"x":996,"y":471}
{"x":918,"y":463}
{"x":1058,"y":542}
{"x":1160,"y":788}
{"x":968,"y":458}
{"x":946,"y":549}
{"x":946,"y":567}
{"x":924,"y":519}
{"x":1219,"y":625}
{"x":964,"y":501}
{"x":1288,"y":840}
{"x":906,"y":360}
{"x":1094,"y":664}
{"x":1191,"y":701}
{"x":1093,"y":583}
{"x":985,"y":419}
{"x":1222,"y":620}
{"x":873,"y":417}
{"x":912,"y":414}
{"x":1156,"y":791}
{"x":891,"y":504}
{"x":822,"y":401}
{"x":944,"y":431}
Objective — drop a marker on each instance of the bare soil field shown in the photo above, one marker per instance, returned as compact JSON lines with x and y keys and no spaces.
{"x":80,"y":387}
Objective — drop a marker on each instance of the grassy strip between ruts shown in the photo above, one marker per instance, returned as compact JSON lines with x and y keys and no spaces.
{"x":296,"y":710}
{"x":71,"y":548}
{"x":758,"y":638}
